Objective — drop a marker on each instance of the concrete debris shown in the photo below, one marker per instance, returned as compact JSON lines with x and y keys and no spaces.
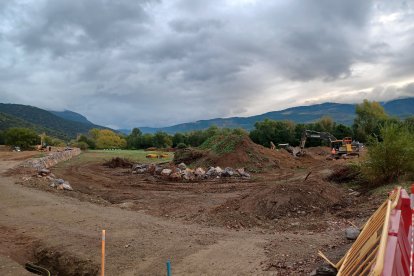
{"x":352,"y":233}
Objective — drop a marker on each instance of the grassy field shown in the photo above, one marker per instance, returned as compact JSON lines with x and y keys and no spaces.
{"x":102,"y":155}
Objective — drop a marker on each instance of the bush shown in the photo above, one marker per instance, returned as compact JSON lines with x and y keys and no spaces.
{"x":350,"y":173}
{"x":21,"y":137}
{"x":390,"y":156}
{"x":82,"y":145}
{"x":181,"y":146}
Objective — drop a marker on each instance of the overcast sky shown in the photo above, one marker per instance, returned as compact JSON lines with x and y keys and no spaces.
{"x":125,"y":63}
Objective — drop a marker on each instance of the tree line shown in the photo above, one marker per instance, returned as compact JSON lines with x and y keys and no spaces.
{"x":370,"y":117}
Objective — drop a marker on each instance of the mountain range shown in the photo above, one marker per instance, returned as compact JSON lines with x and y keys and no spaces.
{"x":67,"y":124}
{"x":340,"y":113}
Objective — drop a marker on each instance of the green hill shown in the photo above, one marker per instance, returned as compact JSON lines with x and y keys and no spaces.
{"x":340,"y":113}
{"x":16,"y":115}
{"x":72,"y":116}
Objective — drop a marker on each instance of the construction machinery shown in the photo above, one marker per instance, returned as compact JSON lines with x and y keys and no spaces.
{"x":340,"y":148}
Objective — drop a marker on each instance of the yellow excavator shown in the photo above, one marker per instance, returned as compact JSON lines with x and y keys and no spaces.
{"x":342,"y":147}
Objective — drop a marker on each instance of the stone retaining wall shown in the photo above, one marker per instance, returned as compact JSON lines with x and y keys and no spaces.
{"x":51,"y":159}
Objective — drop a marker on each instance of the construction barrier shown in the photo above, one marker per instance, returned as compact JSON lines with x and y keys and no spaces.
{"x":384,"y":246}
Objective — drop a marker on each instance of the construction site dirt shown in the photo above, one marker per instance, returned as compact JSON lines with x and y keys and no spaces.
{"x":271,"y":224}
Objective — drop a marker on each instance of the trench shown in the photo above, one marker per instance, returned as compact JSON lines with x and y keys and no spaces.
{"x":61,"y":263}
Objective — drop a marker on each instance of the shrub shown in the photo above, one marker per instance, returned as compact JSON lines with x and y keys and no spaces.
{"x":82,"y":145}
{"x":390,"y":155}
{"x":22,"y":137}
{"x":181,"y":146}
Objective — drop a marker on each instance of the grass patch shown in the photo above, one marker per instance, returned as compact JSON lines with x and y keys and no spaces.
{"x":222,"y":144}
{"x":389,"y":187}
{"x":95,"y":156}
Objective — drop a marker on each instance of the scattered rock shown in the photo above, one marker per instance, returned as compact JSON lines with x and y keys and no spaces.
{"x":243,"y":173}
{"x":152,"y":168}
{"x":66,"y":186}
{"x":58,"y":181}
{"x":182,"y":166}
{"x":126,"y":205}
{"x":199,"y":172}
{"x":140,"y":168}
{"x":188,"y":175}
{"x":175,"y":176}
{"x":166,"y":172}
{"x":181,"y":172}
{"x":324,"y":270}
{"x":228,"y":172}
{"x":211,"y":172}
{"x":158,"y":170}
{"x":352,"y":233}
{"x":44,"y":172}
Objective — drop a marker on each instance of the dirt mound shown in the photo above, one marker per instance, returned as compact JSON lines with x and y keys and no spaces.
{"x":346,"y":174}
{"x":118,"y":162}
{"x":235,"y":150}
{"x":299,"y":199}
{"x":189,"y":155}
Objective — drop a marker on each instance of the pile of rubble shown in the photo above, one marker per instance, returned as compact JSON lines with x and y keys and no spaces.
{"x":57,"y":183}
{"x":51,"y":159}
{"x":182,"y":172}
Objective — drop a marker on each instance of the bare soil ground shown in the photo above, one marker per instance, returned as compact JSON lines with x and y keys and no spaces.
{"x":271,"y":224}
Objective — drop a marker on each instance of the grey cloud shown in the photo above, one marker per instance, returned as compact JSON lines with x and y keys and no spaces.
{"x":66,"y":26}
{"x":180,"y":25}
{"x":132,"y":63}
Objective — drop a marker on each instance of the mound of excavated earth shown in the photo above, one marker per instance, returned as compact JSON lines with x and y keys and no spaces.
{"x":236,"y":151}
{"x":294,"y":199}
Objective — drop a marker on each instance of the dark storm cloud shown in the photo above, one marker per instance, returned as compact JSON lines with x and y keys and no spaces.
{"x":77,"y":25}
{"x":130,"y":63}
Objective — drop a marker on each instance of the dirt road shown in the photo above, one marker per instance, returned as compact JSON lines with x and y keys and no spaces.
{"x":64,"y":232}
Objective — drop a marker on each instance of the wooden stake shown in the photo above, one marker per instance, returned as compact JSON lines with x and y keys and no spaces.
{"x":103,"y":254}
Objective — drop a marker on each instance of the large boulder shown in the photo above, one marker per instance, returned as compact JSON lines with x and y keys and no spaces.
{"x":243,"y":173}
{"x":228,"y":172}
{"x":200,"y":173}
{"x":166,"y":172}
{"x":158,"y":170}
{"x":182,"y":166}
{"x":44,"y":172}
{"x":188,"y":175}
{"x":219,"y":170}
{"x":140,"y":168}
{"x":152,"y":168}
{"x":176,"y":176}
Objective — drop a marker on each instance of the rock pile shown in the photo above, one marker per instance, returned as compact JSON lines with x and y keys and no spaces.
{"x":51,"y":159}
{"x":183,"y":173}
{"x":57,"y":183}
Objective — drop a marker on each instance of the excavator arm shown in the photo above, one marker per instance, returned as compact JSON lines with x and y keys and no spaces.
{"x":315,"y":134}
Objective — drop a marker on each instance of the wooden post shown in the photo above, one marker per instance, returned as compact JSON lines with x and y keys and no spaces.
{"x":103,"y":254}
